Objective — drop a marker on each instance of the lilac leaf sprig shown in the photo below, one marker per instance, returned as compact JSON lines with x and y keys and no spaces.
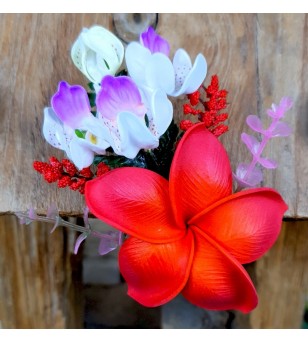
{"x":250,"y":175}
{"x":109,"y":240}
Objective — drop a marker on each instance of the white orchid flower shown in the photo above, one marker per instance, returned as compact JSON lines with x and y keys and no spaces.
{"x":97,"y":52}
{"x":148,"y":65}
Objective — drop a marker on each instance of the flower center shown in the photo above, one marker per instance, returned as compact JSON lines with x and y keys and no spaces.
{"x":92,"y":138}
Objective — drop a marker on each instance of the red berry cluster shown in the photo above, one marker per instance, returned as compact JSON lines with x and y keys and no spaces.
{"x":66,"y":174}
{"x":209,"y":114}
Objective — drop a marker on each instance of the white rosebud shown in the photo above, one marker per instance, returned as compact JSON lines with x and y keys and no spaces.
{"x":97,"y":52}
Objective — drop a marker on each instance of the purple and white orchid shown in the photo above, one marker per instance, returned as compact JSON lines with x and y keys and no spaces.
{"x":120,"y":121}
{"x":71,"y":111}
{"x":149,"y":66}
{"x":122,"y":109}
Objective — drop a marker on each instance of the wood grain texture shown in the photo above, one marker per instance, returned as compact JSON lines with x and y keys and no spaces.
{"x":282,"y":70}
{"x":35,"y":56}
{"x":259,"y":58}
{"x":39,"y":277}
{"x":282,"y":280}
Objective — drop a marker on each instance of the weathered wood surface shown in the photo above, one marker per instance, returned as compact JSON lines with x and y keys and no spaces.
{"x":259,"y":59}
{"x":282,"y":280}
{"x":40,"y":279}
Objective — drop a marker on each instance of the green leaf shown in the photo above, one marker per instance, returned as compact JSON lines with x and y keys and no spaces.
{"x":80,"y":133}
{"x":92,"y":98}
{"x":115,"y":161}
{"x":106,"y":64}
{"x":146,"y":120}
{"x":159,"y":159}
{"x":122,"y":72}
{"x":91,"y":86}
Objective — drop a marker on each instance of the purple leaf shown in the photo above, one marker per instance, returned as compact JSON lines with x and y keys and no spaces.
{"x":244,"y":180}
{"x":254,"y":123}
{"x":154,"y":42}
{"x":71,"y":104}
{"x":32,"y":214}
{"x":267,"y":163}
{"x":54,"y":227}
{"x":251,"y":142}
{"x":79,"y":240}
{"x":121,"y":238}
{"x":23,"y":221}
{"x":278,"y":111}
{"x":281,"y":130}
{"x":52,"y":211}
{"x":119,"y":94}
{"x":86,"y":217}
{"x":109,"y":242}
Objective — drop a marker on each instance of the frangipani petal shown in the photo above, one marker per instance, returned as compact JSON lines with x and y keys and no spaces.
{"x":200,"y":174}
{"x":246,"y":223}
{"x":135,"y":201}
{"x":217,"y":281}
{"x":71,"y":104}
{"x":188,"y":79}
{"x":156,"y":273}
{"x":136,"y":57}
{"x":119,"y":94}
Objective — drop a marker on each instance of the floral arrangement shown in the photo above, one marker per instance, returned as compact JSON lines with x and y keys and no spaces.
{"x":165,"y":188}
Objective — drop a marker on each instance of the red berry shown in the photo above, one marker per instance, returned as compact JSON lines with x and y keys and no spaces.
{"x":194,"y":98}
{"x":64,"y":181}
{"x":56,"y":164}
{"x":102,"y":168}
{"x":40,"y":166}
{"x":185,"y":125}
{"x":86,"y":172}
{"x":50,"y":175}
{"x":69,"y":167}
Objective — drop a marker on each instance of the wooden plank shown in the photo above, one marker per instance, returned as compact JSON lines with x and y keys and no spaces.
{"x":230,"y":45}
{"x":35,"y":56}
{"x":39,"y":277}
{"x":282,"y":68}
{"x":282,"y":280}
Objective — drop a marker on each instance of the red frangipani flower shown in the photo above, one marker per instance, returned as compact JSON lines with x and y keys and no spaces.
{"x":190,"y":234}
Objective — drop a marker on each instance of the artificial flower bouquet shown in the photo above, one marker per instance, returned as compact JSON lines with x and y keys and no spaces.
{"x":165,"y":188}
